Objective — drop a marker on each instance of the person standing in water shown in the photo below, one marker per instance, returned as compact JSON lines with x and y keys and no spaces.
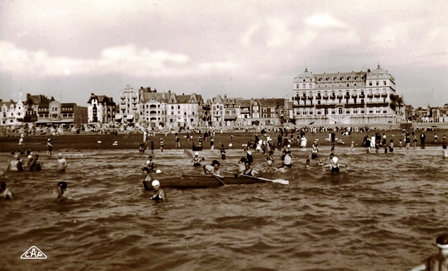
{"x":439,"y":261}
{"x":63,"y":194}
{"x":5,"y":193}
{"x":16,"y":164}
{"x":333,"y":165}
{"x":49,"y":147}
{"x":62,"y":163}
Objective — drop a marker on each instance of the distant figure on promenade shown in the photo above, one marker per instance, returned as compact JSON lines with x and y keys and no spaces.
{"x":439,"y":261}
{"x":161,"y":144}
{"x":422,"y":140}
{"x":63,"y":194}
{"x":62,"y":163}
{"x":21,"y":140}
{"x":408,"y":142}
{"x":152,"y":147}
{"x":5,"y":193}
{"x":435,"y":138}
{"x":212,"y":143}
{"x":159,"y":194}
{"x":16,"y":164}
{"x":177,"y":141}
{"x":445,"y":151}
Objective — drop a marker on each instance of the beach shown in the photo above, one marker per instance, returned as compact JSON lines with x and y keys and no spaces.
{"x":383,"y":213}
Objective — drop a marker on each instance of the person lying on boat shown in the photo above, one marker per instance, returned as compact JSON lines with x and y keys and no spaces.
{"x":213,"y":169}
{"x":248,"y":170}
{"x":197,"y":160}
{"x":333,"y":165}
{"x":158,"y":192}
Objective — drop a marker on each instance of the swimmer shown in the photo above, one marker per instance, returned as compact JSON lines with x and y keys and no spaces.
{"x":213,"y":169}
{"x":445,"y":151}
{"x":438,"y":261}
{"x":62,"y":163}
{"x":63,"y":194}
{"x":307,"y":163}
{"x":334,"y":166}
{"x":197,"y":160}
{"x":241,"y":165}
{"x":5,"y":193}
{"x":158,"y":193}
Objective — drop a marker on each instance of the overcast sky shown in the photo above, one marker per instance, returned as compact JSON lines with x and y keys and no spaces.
{"x":69,"y":49}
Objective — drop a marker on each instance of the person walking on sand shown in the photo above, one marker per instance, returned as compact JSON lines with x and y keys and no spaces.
{"x":439,"y":261}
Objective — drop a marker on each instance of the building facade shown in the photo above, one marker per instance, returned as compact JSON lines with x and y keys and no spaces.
{"x":128,"y":110}
{"x":346,"y":98}
{"x":12,"y":113}
{"x":101,"y":109}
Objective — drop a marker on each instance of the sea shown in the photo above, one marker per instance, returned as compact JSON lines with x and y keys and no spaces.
{"x":383,"y":212}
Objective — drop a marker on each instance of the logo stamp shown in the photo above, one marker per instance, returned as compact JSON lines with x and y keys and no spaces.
{"x":33,"y":253}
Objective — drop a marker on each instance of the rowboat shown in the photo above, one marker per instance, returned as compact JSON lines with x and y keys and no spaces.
{"x":204,"y":181}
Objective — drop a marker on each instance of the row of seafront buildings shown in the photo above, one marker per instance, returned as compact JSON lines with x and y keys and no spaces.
{"x":365,"y":97}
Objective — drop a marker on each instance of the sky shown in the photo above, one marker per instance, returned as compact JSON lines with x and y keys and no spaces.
{"x":70,"y":49}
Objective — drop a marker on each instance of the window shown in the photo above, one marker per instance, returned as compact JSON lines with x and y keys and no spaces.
{"x":370,"y":83}
{"x":303,"y":80}
{"x":385,"y":83}
{"x":304,"y":85}
{"x":377,"y":83}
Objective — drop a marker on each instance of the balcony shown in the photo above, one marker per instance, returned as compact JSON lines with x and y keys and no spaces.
{"x":362,"y":96}
{"x":377,"y":95}
{"x":347,"y":96}
{"x":339,"y":96}
{"x":354,"y":96}
{"x":325,"y":97}
{"x":370,"y":95}
{"x":318,"y":97}
{"x":310,"y":98}
{"x":384,"y":95}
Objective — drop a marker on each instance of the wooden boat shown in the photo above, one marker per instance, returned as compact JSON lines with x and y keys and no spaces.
{"x":203,"y":181}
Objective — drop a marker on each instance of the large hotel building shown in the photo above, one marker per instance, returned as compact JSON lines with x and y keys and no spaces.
{"x":347,"y":98}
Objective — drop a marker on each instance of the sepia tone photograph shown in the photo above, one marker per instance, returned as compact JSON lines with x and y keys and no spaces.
{"x":223,"y":135}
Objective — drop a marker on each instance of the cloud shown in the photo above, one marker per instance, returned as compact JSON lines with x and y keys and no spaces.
{"x":127,"y":60}
{"x":323,"y":21}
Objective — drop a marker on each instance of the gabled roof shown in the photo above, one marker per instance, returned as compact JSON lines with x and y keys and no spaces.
{"x":154,"y":97}
{"x":101,"y":99}
{"x":271,"y":102}
{"x":189,"y":99}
